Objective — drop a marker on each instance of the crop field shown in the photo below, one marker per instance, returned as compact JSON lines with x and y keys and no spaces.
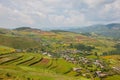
{"x":29,"y":66}
{"x":33,"y":54}
{"x":4,"y":50}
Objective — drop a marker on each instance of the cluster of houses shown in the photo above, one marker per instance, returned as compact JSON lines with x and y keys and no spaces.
{"x":98,"y":63}
{"x":68,"y":55}
{"x":86,"y":61}
{"x":101,"y":74}
{"x":116,"y":69}
{"x":47,"y":54}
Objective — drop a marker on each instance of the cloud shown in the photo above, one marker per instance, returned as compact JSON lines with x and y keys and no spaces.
{"x":10,"y":17}
{"x":57,"y":13}
{"x":97,"y":3}
{"x":111,"y":11}
{"x":93,"y":3}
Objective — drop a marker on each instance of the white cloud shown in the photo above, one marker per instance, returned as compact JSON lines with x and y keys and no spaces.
{"x":93,"y":3}
{"x":23,"y":17}
{"x":56,"y":19}
{"x":10,"y":17}
{"x":3,"y":9}
{"x":41,"y":15}
{"x":97,"y":3}
{"x":73,"y":18}
{"x":58,"y":12}
{"x":111,"y":11}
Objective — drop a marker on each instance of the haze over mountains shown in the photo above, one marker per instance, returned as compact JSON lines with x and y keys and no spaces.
{"x":109,"y":30}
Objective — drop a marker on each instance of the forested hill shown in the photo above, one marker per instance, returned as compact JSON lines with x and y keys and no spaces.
{"x":109,"y":30}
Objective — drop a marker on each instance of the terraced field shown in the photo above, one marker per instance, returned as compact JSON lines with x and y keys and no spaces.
{"x":29,"y":66}
{"x":4,"y":50}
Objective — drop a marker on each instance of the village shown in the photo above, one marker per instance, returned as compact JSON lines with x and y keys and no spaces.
{"x":86,"y":66}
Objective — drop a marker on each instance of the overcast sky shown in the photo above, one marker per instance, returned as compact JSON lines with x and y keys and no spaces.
{"x":58,"y":13}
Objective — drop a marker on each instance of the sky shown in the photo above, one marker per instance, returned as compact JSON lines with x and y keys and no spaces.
{"x":58,"y":13}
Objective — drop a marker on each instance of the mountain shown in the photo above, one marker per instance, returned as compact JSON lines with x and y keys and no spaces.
{"x":4,"y":31}
{"x":28,"y":29}
{"x":109,"y":30}
{"x":115,"y":26}
{"x":22,"y":28}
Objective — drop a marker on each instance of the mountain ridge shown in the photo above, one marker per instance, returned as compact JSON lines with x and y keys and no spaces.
{"x":108,"y":30}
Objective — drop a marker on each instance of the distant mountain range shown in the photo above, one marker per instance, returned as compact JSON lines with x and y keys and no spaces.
{"x":109,"y":30}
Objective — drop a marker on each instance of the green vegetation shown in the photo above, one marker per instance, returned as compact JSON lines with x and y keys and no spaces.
{"x":114,"y":52}
{"x":57,"y":55}
{"x":4,"y":50}
{"x":33,"y":66}
{"x":17,"y":42}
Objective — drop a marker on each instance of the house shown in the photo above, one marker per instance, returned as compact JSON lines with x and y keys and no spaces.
{"x":98,"y":63}
{"x":77,"y":69}
{"x":100,"y":74}
{"x":18,"y":50}
{"x":49,"y":55}
{"x":45,"y":53}
{"x":116,"y":69}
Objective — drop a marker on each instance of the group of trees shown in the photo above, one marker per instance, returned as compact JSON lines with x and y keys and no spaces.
{"x":114,"y":52}
{"x":81,"y":47}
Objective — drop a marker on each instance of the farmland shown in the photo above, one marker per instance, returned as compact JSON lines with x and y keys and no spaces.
{"x":27,"y":66}
{"x":33,"y":54}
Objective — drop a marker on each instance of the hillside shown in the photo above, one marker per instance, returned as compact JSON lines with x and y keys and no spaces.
{"x":109,"y":30}
{"x":33,"y":66}
{"x":57,"y":55}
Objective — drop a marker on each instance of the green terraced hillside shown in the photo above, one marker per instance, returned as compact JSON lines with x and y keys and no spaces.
{"x":29,"y":66}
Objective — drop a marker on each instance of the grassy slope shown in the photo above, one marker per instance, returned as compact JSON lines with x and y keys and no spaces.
{"x":4,"y":50}
{"x":17,"y":42}
{"x":28,"y":40}
{"x":9,"y":68}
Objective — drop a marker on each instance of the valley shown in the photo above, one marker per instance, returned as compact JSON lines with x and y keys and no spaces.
{"x":33,"y":54}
